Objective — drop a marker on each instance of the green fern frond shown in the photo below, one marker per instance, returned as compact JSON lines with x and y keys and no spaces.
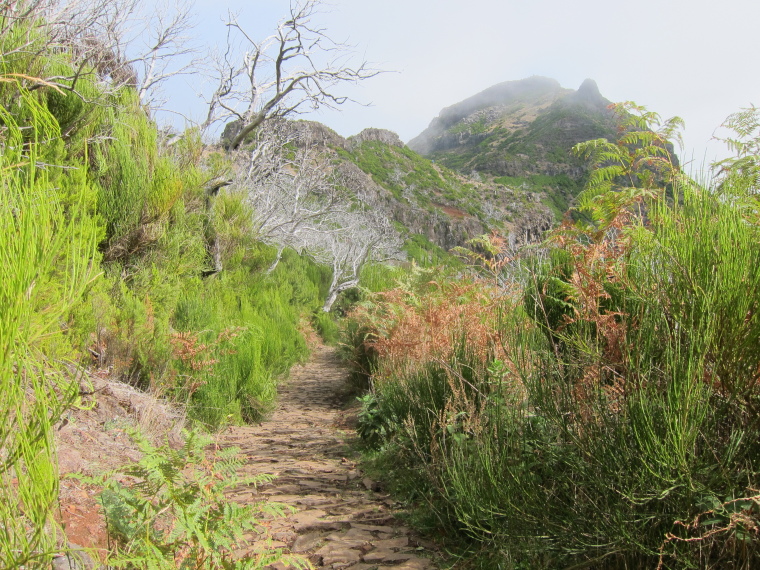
{"x":740,"y":174}
{"x":626,"y":172}
{"x":636,"y":117}
{"x":672,"y":130}
{"x":744,"y":123}
{"x":179,"y":501}
{"x":639,"y":138}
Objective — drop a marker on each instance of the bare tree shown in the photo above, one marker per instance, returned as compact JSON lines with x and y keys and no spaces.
{"x":363,"y":237}
{"x":290,"y":186}
{"x":297,"y":67}
{"x":122,"y":42}
{"x":165,"y":52}
{"x":300,"y":200}
{"x":296,"y":195}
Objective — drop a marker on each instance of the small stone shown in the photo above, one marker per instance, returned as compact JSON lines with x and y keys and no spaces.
{"x":340,"y":555}
{"x":358,"y":534}
{"x":345,"y":541}
{"x":374,"y":528}
{"x":386,"y":556}
{"x":392,"y":543}
{"x":319,"y":525}
{"x":307,"y":541}
{"x":267,"y":545}
{"x":285,"y":535}
{"x":415,"y":563}
{"x":425,"y":544}
{"x":75,"y":559}
{"x":313,"y":500}
{"x":368,"y":483}
{"x":308,"y":519}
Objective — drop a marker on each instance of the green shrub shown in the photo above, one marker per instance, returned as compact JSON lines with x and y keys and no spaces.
{"x":326,"y":327}
{"x":357,"y":350}
{"x":178,"y":513}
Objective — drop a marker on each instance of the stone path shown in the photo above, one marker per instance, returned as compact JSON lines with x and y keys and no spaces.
{"x":342,"y":520}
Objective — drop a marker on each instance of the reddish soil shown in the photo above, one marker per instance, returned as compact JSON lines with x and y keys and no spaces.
{"x":454,"y":212}
{"x":93,"y":439}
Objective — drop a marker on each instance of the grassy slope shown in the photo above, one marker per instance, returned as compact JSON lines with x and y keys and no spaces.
{"x":533,"y":155}
{"x":422,"y":193}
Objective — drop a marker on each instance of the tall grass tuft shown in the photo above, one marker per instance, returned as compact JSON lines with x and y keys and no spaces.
{"x":47,"y":246}
{"x":236,"y":336}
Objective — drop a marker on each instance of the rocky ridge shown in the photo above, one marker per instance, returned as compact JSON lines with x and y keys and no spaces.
{"x":501,"y":160}
{"x":427,"y":199}
{"x":520,"y":134}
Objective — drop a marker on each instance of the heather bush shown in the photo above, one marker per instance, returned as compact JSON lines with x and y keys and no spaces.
{"x":248,"y":328}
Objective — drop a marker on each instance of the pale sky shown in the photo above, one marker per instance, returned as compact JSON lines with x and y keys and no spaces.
{"x":694,"y":58}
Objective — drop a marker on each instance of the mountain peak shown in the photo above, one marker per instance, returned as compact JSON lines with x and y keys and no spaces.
{"x":535,"y":90}
{"x":587,"y":95}
{"x":510,"y":105}
{"x":589,"y":89}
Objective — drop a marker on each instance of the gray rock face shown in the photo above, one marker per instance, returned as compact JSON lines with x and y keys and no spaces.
{"x":312,"y":133}
{"x":441,"y":229}
{"x":305,"y":133}
{"x":588,"y":96}
{"x":379,"y":135}
{"x":531,"y":227}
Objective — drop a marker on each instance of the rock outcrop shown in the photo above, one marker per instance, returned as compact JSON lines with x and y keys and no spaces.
{"x":379,"y":135}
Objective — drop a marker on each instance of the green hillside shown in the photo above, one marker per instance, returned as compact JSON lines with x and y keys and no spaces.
{"x":520,"y":134}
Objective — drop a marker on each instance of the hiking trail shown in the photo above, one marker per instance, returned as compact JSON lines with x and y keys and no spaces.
{"x":342,"y":518}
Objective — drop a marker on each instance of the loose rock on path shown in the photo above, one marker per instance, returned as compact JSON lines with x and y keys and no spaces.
{"x":341,"y":520}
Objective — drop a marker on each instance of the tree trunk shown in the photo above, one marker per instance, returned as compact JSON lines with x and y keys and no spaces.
{"x":335,"y":291}
{"x":329,"y":301}
{"x":212,"y":239}
{"x":276,"y":260}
